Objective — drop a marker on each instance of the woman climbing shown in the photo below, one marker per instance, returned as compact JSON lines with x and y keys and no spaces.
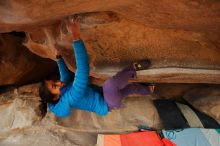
{"x":64,"y":94}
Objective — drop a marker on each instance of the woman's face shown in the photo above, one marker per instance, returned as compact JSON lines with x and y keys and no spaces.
{"x":54,"y":87}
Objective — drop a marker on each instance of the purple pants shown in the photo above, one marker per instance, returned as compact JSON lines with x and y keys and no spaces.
{"x":117,"y":87}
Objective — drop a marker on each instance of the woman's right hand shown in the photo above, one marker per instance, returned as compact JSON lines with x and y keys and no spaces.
{"x":74,"y":26}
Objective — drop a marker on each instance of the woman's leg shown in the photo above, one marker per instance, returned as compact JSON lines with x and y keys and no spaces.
{"x":122,"y":77}
{"x":135,"y":89}
{"x":112,"y":87}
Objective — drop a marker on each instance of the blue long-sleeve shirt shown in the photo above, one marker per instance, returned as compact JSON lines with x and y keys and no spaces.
{"x":65,"y":74}
{"x":78,"y":94}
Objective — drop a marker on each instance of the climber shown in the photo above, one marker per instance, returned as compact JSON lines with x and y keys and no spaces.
{"x":64,"y":94}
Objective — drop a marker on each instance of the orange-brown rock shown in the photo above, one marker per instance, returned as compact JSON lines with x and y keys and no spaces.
{"x":181,"y":38}
{"x":177,"y":55}
{"x":18,"y":65}
{"x":189,"y":15}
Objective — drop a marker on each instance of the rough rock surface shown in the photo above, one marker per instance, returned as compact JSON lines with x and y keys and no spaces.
{"x":44,"y":136}
{"x":181,"y":36}
{"x":18,"y":65}
{"x":184,"y":14}
{"x":205,"y":99}
{"x":110,"y":39}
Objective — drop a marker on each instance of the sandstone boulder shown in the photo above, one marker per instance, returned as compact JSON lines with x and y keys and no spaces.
{"x":18,"y":65}
{"x":205,"y":99}
{"x":181,"y":38}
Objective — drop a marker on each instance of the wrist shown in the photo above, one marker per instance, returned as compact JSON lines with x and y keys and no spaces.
{"x":76,"y":37}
